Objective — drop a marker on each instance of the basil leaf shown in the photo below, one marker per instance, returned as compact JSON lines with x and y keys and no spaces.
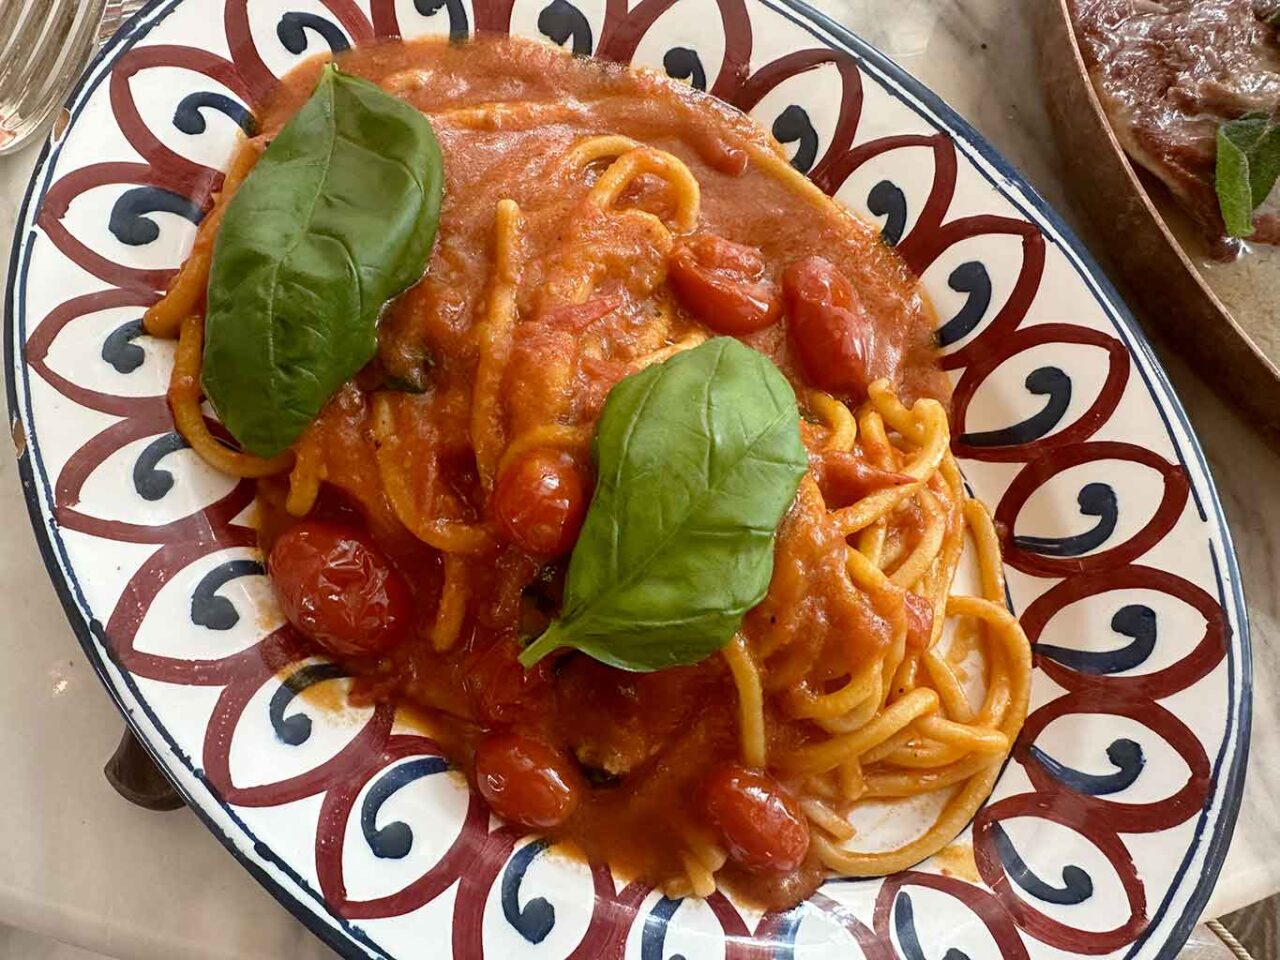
{"x":1247,"y":168}
{"x":698,"y":459}
{"x":337,"y":217}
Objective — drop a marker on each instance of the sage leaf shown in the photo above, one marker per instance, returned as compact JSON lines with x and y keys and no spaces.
{"x":1246,"y":170}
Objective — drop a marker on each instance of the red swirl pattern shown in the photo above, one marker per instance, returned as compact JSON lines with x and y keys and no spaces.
{"x":476,"y":858}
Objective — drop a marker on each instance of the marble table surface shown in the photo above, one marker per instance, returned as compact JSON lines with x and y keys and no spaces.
{"x":83,"y":866}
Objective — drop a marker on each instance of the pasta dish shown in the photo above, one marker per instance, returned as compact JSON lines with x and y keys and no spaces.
{"x":592,"y":432}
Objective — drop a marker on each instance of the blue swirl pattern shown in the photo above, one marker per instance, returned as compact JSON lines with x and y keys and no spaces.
{"x":295,"y":730}
{"x":1051,"y":382}
{"x":653,"y":937}
{"x":119,"y":350}
{"x":395,"y":840}
{"x":215,"y":612}
{"x":561,"y":22}
{"x":972,"y":279}
{"x":129,"y":222}
{"x":1095,"y":499}
{"x":292,"y":31}
{"x":189,"y":117}
{"x":904,"y":925}
{"x":459,"y":28}
{"x":1136,"y":621}
{"x":149,"y":481}
{"x":535,"y":920}
{"x":1077,"y":886}
{"x":887,"y":200}
{"x":793,"y":125}
{"x":683,"y":63}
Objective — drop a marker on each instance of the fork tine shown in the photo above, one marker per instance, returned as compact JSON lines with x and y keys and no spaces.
{"x":44,"y":45}
{"x":74,"y":54}
{"x":10,"y":12}
{"x":73,"y":40}
{"x":17,"y":19}
{"x":62,"y":52}
{"x":43,"y":59}
{"x":31,"y":31}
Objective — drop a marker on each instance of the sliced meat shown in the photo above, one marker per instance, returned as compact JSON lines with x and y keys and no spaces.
{"x":1169,"y":73}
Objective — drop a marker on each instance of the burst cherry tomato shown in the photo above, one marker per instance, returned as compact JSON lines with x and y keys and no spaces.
{"x":339,"y":589}
{"x":501,"y":690}
{"x":541,"y":500}
{"x":576,"y":317}
{"x":758,"y":819}
{"x":844,"y":477}
{"x":828,"y":325}
{"x":722,"y":283}
{"x":526,"y":781}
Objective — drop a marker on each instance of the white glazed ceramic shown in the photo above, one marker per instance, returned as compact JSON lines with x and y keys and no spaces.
{"x":1108,"y":826}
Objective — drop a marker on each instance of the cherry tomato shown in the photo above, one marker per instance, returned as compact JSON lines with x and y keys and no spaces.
{"x":526,"y":781}
{"x":828,"y":325}
{"x":501,"y":690}
{"x":723,"y":284}
{"x":844,"y":477}
{"x":919,"y":620}
{"x":541,"y":500}
{"x":576,"y":317}
{"x":757,"y":817}
{"x":339,"y":589}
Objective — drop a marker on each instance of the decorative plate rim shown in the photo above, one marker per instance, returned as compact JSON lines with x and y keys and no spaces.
{"x":346,"y":937}
{"x":1168,"y":403}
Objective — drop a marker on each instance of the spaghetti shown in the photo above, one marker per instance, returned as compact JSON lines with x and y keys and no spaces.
{"x":862,"y":676}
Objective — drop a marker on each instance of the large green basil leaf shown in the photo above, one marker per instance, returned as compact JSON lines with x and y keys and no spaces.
{"x":698,"y":459}
{"x":337,"y":217}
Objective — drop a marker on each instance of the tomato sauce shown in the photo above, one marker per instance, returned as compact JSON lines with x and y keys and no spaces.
{"x":632,"y":751}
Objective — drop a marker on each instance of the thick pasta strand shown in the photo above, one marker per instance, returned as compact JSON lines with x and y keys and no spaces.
{"x":188,"y":417}
{"x":877,"y":505}
{"x":824,"y":756}
{"x":825,"y":817}
{"x":918,"y":562}
{"x":666,"y":353}
{"x":840,"y":421}
{"x":494,"y":339}
{"x":606,"y":191}
{"x":453,"y":603}
{"x":746,"y":677}
{"x":947,"y":684}
{"x":306,"y":476}
{"x":904,"y":726}
{"x":861,"y":687}
{"x":987,"y":543}
{"x":165,"y":317}
{"x":555,"y":435}
{"x":860,"y":715}
{"x":702,"y":881}
{"x":591,"y":149}
{"x":955,"y":815}
{"x":445,"y":534}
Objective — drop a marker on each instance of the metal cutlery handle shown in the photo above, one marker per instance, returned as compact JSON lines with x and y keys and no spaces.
{"x":44,"y":46}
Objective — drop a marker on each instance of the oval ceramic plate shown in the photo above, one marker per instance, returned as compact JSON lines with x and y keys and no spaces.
{"x":1109,"y":824}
